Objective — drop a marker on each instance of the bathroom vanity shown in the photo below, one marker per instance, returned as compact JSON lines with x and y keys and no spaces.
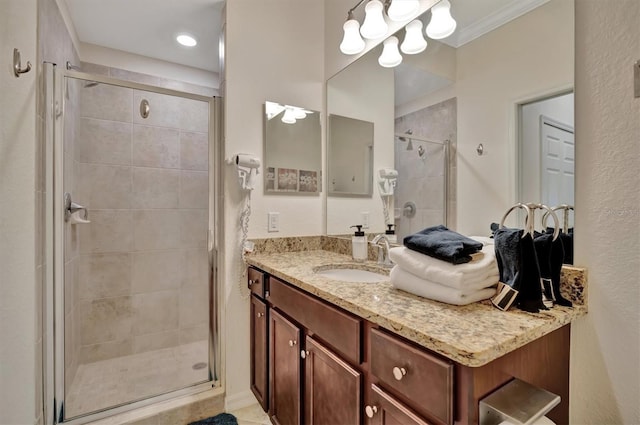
{"x":335,"y":352}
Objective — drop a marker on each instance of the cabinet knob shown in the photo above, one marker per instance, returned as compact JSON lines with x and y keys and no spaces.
{"x":251,"y":282}
{"x":260,"y":314}
{"x":304,"y":354}
{"x":370,"y":411}
{"x":292,"y":342}
{"x":399,"y":372}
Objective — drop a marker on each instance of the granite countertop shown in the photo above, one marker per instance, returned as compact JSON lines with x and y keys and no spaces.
{"x":472,"y":335}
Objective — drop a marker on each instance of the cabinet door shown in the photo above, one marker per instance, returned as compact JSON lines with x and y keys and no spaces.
{"x":284,"y":370}
{"x":259,"y":351}
{"x":386,"y":410}
{"x":333,"y":389}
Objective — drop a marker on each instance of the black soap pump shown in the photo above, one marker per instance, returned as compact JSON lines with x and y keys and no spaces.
{"x":390,"y":233}
{"x":359,"y":248}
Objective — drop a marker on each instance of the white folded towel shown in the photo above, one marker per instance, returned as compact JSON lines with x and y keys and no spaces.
{"x":408,"y":282}
{"x":482,"y":266}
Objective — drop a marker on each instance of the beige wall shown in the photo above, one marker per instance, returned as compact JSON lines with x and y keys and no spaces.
{"x":605,"y":345}
{"x":279,"y":59}
{"x":20,"y":291}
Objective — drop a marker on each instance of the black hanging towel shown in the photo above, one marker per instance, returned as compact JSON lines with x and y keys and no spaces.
{"x":519,"y":268}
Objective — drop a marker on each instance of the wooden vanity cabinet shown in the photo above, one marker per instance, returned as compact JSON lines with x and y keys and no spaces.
{"x":384,"y":409}
{"x":259,"y":354}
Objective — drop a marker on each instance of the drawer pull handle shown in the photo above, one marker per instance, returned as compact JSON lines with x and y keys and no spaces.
{"x":399,"y":372}
{"x":370,"y":411}
{"x":292,"y":342}
{"x":260,"y":314}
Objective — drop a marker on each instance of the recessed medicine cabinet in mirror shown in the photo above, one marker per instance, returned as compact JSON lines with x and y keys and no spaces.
{"x":350,"y":152}
{"x":474,"y":92}
{"x":292,"y":150}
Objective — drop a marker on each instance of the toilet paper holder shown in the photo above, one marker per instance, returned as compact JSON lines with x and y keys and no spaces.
{"x":71,"y":207}
{"x":517,"y":402}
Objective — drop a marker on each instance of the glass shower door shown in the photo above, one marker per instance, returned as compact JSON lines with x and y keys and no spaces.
{"x":136,"y":266}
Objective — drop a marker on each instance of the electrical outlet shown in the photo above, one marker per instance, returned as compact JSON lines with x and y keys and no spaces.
{"x":273,"y":222}
{"x":365,"y":219}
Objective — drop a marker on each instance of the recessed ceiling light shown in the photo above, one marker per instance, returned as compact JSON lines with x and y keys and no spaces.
{"x":186,"y":40}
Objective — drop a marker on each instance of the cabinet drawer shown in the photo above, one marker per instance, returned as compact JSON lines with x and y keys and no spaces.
{"x":424,"y":380}
{"x":386,"y":410}
{"x":336,"y":328}
{"x":255,"y":281}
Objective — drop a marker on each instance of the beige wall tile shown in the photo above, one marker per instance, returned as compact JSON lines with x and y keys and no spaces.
{"x":194,"y":151}
{"x":194,"y":334}
{"x":156,"y":270}
{"x":155,"y":341}
{"x":69,"y":339}
{"x":155,"y":188}
{"x":194,"y":305}
{"x":156,"y":229}
{"x":194,"y":189}
{"x":106,"y":102}
{"x":104,"y":275}
{"x":164,"y":110}
{"x":155,"y":312}
{"x":107,"y":319}
{"x":109,"y":231}
{"x":194,"y":115}
{"x":105,"y":350}
{"x":71,"y":241}
{"x":156,"y":147}
{"x":195,"y":267}
{"x":69,"y":285}
{"x":104,"y":142}
{"x":103,"y":186}
{"x":193,"y":228}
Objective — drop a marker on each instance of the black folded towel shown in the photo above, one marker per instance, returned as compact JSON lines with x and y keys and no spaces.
{"x":443,"y":244}
{"x":550,"y":258}
{"x":518,"y":267}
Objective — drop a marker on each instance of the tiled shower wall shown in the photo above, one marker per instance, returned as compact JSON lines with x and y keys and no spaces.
{"x":421,"y":179}
{"x":141,"y":275}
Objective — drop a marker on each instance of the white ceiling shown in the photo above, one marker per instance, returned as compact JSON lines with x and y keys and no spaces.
{"x":149,"y":27}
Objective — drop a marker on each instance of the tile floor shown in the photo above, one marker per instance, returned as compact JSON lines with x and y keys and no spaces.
{"x":251,"y":415}
{"x":120,"y":380}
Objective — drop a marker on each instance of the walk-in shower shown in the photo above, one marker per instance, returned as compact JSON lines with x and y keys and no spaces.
{"x":134,"y":296}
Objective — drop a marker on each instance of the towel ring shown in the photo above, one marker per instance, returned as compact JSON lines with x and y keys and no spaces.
{"x":528,"y":226}
{"x":556,"y":229}
{"x":565,"y":216}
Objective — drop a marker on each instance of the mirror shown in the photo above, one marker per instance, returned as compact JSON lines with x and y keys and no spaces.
{"x":466,"y":91}
{"x":292,"y":150}
{"x":350,"y":152}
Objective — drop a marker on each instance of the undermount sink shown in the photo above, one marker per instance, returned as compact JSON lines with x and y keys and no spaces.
{"x":347,"y":273}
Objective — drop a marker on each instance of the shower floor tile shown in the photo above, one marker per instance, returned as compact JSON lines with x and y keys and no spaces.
{"x":108,"y":383}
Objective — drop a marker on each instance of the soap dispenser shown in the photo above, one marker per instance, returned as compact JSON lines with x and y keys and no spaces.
{"x":359,"y":248}
{"x":390,"y":233}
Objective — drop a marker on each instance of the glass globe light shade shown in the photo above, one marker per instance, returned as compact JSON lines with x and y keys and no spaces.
{"x":352,"y":42}
{"x":413,"y":42}
{"x":374,"y":25}
{"x":401,"y":10}
{"x":442,"y":24}
{"x":390,"y":56}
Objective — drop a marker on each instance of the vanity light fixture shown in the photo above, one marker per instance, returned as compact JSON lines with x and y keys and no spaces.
{"x":299,"y":113}
{"x":442,"y":24}
{"x":374,"y":27}
{"x":390,"y":56}
{"x":186,"y":40}
{"x":413,"y":42}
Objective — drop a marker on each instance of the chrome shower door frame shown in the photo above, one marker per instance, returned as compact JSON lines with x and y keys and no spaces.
{"x":54,"y":314}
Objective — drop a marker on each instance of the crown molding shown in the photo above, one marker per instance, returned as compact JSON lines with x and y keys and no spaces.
{"x":494,"y":20}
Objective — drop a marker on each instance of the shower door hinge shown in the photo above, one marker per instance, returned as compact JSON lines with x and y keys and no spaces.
{"x":636,"y":79}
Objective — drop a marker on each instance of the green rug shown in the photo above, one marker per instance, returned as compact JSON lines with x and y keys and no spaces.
{"x":221,"y":419}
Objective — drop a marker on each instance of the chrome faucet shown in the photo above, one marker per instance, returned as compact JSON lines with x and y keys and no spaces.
{"x":383,"y":251}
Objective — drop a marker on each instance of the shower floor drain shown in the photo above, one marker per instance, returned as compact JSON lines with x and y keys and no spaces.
{"x":200,"y":365}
